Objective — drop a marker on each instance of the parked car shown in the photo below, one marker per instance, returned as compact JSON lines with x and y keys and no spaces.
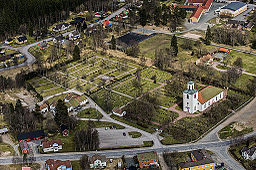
{"x":106,"y":128}
{"x":124,"y":134}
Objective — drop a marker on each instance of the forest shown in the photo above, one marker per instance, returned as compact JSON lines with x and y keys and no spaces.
{"x":28,"y":16}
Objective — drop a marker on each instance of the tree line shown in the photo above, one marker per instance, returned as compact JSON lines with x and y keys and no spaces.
{"x":23,"y":16}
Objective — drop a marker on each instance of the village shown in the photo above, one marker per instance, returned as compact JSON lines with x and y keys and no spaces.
{"x":131,"y":89}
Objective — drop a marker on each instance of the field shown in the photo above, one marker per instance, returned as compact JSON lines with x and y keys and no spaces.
{"x":90,"y":113}
{"x":249,"y":60}
{"x":243,"y":81}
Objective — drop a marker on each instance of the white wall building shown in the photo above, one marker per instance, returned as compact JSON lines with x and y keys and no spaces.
{"x":98,"y":161}
{"x":52,"y":145}
{"x":194,"y":100}
{"x":249,"y":153}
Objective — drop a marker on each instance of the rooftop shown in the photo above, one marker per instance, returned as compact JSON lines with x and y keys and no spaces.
{"x":49,"y":143}
{"x":197,"y":12}
{"x":55,"y":164}
{"x":30,"y":135}
{"x":207,"y":93}
{"x":234,"y":6}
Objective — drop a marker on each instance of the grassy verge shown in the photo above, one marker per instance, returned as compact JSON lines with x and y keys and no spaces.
{"x":134,"y":134}
{"x":230,"y":132}
{"x":145,"y":144}
{"x":132,"y":124}
{"x":90,"y":113}
{"x":76,"y":165}
{"x":168,"y":140}
{"x":4,"y":148}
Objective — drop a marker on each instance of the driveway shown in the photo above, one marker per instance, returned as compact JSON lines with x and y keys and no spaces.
{"x":115,"y":138}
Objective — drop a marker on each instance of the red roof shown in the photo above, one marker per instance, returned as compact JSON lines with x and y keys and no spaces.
{"x":207,"y":4}
{"x":196,"y":1}
{"x":186,"y":6}
{"x":47,"y":144}
{"x":197,"y":13}
{"x":224,"y":50}
{"x":53,"y":165}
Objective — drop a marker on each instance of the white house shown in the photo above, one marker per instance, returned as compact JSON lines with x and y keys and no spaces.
{"x":249,"y":153}
{"x":59,"y":39}
{"x":51,"y":164}
{"x":98,"y":161}
{"x":194,"y":100}
{"x":44,"y":108}
{"x":118,"y":112}
{"x":3,"y":131}
{"x":74,"y":35}
{"x":52,"y":145}
{"x":61,"y":27}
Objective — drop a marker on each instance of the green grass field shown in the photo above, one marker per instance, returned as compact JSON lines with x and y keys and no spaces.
{"x":243,"y":81}
{"x":135,"y":134}
{"x":230,"y":132}
{"x":161,"y":76}
{"x":90,"y":113}
{"x":249,"y":61}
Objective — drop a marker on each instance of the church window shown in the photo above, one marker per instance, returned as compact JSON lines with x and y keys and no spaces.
{"x":217,"y":98}
{"x":195,"y":95}
{"x":220,"y":95}
{"x":187,"y":96}
{"x":187,"y":103}
{"x":195,"y":107}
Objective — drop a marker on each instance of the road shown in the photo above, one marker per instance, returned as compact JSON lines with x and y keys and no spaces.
{"x":31,"y":59}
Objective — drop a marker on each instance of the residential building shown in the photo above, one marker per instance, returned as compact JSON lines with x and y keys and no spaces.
{"x":21,"y":40}
{"x":148,"y":159}
{"x":51,"y":164}
{"x":59,"y":39}
{"x":3,"y":131}
{"x":61,"y":27}
{"x":98,"y":161}
{"x":194,"y":100}
{"x":224,"y":50}
{"x":118,"y":112}
{"x":53,"y":106}
{"x":74,"y":35}
{"x":42,"y":45}
{"x":196,"y":15}
{"x":233,"y":9}
{"x":44,"y":108}
{"x":51,"y":145}
{"x":24,"y":147}
{"x":34,"y":135}
{"x":201,"y":160}
{"x":207,"y":59}
{"x":249,"y":153}
{"x":9,"y":41}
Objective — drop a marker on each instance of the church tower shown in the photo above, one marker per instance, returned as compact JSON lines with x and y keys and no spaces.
{"x":190,"y":98}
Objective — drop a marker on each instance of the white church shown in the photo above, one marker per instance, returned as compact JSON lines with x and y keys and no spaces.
{"x":194,"y":100}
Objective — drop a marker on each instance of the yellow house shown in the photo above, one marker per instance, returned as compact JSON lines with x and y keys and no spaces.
{"x":201,"y":160}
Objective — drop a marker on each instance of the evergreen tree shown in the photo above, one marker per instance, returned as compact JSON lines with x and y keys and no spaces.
{"x":208,"y":36}
{"x":113,"y":42}
{"x":84,"y":162}
{"x":174,"y":45}
{"x":143,"y":17}
{"x":253,"y":44}
{"x":76,"y":53}
{"x":239,"y":62}
{"x":61,"y":115}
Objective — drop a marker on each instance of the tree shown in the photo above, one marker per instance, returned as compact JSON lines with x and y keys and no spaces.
{"x":76,"y":53}
{"x":174,"y":45}
{"x":238,"y":63}
{"x":61,"y":115}
{"x":253,"y":46}
{"x":252,"y":87}
{"x":143,"y":17}
{"x":84,"y":162}
{"x":113,"y":42}
{"x":208,"y":36}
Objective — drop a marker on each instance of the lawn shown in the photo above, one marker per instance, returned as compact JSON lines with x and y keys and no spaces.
{"x":76,"y":165}
{"x":4,"y":147}
{"x":249,"y":61}
{"x":230,"y":132}
{"x":135,"y":134}
{"x":129,"y":89}
{"x":220,"y":66}
{"x":161,"y":76}
{"x":164,"y":100}
{"x":52,"y":92}
{"x":243,"y":81}
{"x":163,"y":115}
{"x":168,"y":140}
{"x":116,"y":100}
{"x":159,"y":41}
{"x":90,"y":113}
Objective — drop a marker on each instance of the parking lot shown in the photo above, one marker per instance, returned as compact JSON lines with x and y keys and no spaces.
{"x":115,"y":138}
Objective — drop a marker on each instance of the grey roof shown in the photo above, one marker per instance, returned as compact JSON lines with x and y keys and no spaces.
{"x":234,"y":6}
{"x":190,"y":91}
